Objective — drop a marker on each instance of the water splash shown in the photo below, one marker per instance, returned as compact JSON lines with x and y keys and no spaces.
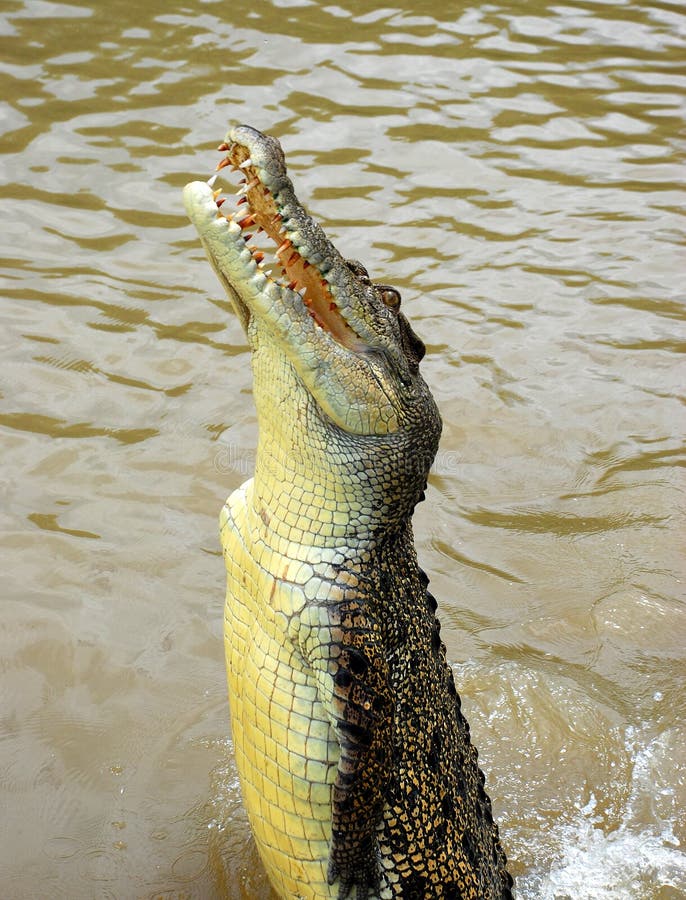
{"x":637,"y":861}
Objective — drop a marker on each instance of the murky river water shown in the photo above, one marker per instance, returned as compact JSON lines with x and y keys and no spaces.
{"x":515,"y":169}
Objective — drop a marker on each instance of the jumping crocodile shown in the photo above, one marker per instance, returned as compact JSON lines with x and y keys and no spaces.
{"x":354,"y":757}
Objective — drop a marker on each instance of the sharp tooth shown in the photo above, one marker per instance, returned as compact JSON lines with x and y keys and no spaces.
{"x":242,"y":200}
{"x":212,"y":180}
{"x":220,"y":201}
{"x":247,"y":221}
{"x":245,"y":163}
{"x":292,"y":285}
{"x":222,"y":148}
{"x":225,"y":162}
{"x":286,"y":244}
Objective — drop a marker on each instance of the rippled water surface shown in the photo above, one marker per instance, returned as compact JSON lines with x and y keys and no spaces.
{"x":516,"y":171}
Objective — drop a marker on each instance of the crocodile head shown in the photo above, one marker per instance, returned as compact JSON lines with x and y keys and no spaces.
{"x":324,"y":337}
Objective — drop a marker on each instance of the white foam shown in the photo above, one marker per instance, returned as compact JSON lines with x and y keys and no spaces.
{"x":637,"y":861}
{"x":623,"y":865}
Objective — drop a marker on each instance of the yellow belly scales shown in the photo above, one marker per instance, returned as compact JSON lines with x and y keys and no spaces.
{"x":286,"y":752}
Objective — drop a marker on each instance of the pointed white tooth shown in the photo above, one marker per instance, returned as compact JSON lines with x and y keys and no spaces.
{"x":212,"y":180}
{"x":245,"y":164}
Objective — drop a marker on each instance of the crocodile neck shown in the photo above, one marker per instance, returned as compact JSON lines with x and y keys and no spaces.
{"x":311,"y":488}
{"x":365,"y":563}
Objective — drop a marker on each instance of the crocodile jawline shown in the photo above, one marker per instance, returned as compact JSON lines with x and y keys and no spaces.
{"x":257,"y":212}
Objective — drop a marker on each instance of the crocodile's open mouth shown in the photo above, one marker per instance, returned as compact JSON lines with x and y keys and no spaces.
{"x":264,"y":228}
{"x":298,"y":299}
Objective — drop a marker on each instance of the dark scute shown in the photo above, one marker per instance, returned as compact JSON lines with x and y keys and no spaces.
{"x":357,"y":661}
{"x":415,"y":887}
{"x":397,"y":634}
{"x":431,"y":601}
{"x":436,"y":639}
{"x":453,"y":892}
{"x":343,"y":678}
{"x":433,"y":758}
{"x":379,"y":703}
{"x":461,"y":784}
{"x":356,"y":733}
{"x":468,"y":847}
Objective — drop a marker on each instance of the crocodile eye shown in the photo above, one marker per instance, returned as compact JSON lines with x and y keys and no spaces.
{"x":391,"y":298}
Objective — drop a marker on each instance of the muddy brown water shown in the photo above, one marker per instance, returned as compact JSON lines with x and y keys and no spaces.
{"x":517,"y":171}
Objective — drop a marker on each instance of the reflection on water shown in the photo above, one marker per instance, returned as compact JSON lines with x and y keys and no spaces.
{"x":516,"y":171}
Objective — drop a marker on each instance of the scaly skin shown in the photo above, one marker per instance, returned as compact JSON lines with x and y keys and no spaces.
{"x":355,"y":761}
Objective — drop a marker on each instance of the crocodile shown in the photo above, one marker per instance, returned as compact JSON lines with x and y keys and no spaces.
{"x":354,"y":757}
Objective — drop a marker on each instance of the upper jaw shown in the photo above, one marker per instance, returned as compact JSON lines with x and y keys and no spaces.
{"x":305,"y":262}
